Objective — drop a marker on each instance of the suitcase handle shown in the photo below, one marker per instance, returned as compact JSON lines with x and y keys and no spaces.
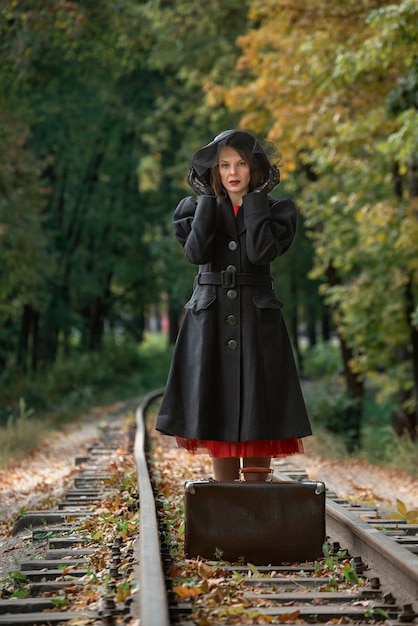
{"x":255,"y":470}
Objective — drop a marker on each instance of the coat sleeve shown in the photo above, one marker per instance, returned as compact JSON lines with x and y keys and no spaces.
{"x":271,"y":226}
{"x":194,"y":227}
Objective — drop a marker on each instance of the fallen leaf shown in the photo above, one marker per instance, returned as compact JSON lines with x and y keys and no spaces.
{"x":185,"y":592}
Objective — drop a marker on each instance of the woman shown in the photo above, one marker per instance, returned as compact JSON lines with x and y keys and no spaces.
{"x":233,"y":389}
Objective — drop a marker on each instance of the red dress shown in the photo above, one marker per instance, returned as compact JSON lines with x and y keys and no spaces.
{"x":244,"y":449}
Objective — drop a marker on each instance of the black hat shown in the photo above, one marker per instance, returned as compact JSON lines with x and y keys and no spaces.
{"x":206,"y":157}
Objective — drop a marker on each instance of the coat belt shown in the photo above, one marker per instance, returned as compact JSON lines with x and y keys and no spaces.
{"x":228,"y":279}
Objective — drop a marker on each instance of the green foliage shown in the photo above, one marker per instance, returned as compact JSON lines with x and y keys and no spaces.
{"x":120,"y":371}
{"x":329,"y":404}
{"x":62,"y":601}
{"x":86,"y":260}
{"x":337,"y":564}
{"x":379,"y":443}
{"x":15,"y":585}
{"x":382,"y":447}
{"x":323,"y":359}
{"x":81,"y":378}
{"x":19,"y":431}
{"x":404,"y":454}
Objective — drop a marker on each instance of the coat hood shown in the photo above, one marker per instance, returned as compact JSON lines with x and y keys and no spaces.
{"x":206,"y":157}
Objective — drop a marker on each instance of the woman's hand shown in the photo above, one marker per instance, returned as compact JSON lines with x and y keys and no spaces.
{"x":272,"y":180}
{"x":200,"y":186}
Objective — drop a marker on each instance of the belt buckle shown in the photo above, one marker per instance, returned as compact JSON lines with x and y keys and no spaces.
{"x":228,"y":279}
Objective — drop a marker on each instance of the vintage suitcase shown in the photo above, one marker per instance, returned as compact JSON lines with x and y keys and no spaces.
{"x":254,"y":522}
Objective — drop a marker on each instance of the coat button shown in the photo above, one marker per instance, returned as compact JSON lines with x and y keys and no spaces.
{"x":231,"y":294}
{"x":232,"y":320}
{"x":232,"y":344}
{"x":232,"y":245}
{"x":231,"y":268}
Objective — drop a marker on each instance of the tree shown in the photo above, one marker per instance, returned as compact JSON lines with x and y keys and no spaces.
{"x":25,"y":266}
{"x":74,"y":74}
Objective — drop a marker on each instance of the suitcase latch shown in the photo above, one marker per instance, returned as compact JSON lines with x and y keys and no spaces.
{"x":320,"y":488}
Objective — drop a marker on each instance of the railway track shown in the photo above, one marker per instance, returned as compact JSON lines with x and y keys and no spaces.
{"x":82,"y":555}
{"x":369,"y":575}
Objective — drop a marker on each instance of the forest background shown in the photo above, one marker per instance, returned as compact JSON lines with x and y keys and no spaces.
{"x":101,"y":107}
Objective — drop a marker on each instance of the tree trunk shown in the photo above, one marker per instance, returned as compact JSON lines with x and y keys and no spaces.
{"x":35,"y":341}
{"x":311,"y":329}
{"x":353,"y":414}
{"x":96,"y":323}
{"x":6,"y":344}
{"x":47,"y":345}
{"x":326,"y":324}
{"x":23,"y":345}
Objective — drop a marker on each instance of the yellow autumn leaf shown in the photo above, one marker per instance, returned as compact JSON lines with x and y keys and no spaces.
{"x":412,"y":516}
{"x":394,"y":516}
{"x":98,"y":536}
{"x":401,"y":507}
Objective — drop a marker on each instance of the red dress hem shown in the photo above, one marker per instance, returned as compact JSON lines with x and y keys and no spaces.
{"x":244,"y":449}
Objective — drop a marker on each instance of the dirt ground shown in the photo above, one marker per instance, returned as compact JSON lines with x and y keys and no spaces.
{"x":42,"y":475}
{"x":359,"y":479}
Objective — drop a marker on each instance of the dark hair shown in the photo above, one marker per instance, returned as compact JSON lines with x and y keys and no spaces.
{"x":256,"y":172}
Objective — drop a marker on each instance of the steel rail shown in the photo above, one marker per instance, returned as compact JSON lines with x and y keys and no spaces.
{"x":396,"y":566}
{"x":152,"y":593}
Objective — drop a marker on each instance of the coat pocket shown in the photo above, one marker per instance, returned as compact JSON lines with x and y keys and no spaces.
{"x":267,"y":301}
{"x":201,"y":299}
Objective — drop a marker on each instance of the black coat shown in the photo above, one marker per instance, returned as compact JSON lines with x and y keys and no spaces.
{"x":233,"y":376}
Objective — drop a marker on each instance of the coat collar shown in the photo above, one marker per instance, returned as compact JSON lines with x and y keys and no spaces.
{"x":226,"y":220}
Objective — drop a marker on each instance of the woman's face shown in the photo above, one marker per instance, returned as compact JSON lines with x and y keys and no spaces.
{"x":234,"y":172}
